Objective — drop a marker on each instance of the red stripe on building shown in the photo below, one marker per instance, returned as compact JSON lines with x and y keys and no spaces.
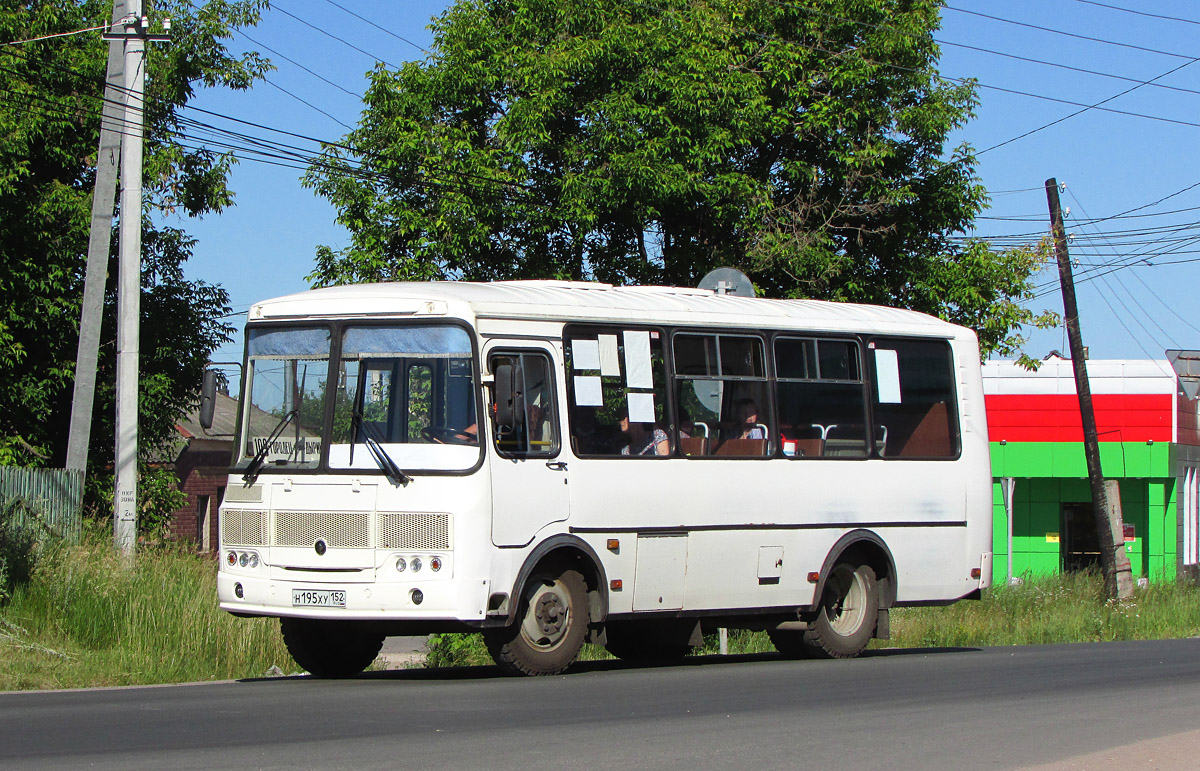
{"x":1055,"y":417}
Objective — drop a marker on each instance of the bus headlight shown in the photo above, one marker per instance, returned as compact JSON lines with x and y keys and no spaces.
{"x":401,"y":565}
{"x":416,"y":564}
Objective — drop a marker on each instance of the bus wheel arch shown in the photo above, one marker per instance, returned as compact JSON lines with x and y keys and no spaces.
{"x":557,"y":603}
{"x":856,"y":587}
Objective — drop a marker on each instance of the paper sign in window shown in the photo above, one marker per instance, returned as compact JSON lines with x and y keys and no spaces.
{"x":887,"y":376}
{"x":588,"y":391}
{"x":641,"y":407}
{"x":585,"y":354}
{"x":638,"y":372}
{"x":610,"y":360}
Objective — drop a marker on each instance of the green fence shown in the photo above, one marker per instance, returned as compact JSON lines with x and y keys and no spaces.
{"x":53,"y":495}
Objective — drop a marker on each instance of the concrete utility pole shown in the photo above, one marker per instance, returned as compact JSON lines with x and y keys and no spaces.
{"x":1118,"y":576}
{"x":129,"y":277}
{"x":99,"y":242}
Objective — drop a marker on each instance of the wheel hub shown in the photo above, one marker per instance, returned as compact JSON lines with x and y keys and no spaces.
{"x":550,"y":614}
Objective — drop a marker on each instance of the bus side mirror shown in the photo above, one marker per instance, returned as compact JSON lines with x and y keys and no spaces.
{"x":510,"y":397}
{"x":208,"y":398}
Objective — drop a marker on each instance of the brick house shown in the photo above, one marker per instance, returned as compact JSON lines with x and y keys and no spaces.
{"x":202,"y":467}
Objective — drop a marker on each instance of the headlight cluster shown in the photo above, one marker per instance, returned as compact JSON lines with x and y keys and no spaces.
{"x":245,"y":559}
{"x":416,"y":564}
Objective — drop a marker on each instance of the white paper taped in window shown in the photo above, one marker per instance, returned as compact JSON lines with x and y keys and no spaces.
{"x":585,"y":354}
{"x":638,"y":372}
{"x":641,"y":408}
{"x":887,"y":376}
{"x":588,"y":391}
{"x":610,"y":361}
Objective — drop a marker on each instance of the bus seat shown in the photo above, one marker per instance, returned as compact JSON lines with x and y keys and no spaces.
{"x":808,"y":448}
{"x":693,"y":445}
{"x":931,"y":437}
{"x":742,"y":447}
{"x":846,"y":441}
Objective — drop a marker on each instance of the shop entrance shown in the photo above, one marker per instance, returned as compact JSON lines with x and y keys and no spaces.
{"x":1080,"y":549}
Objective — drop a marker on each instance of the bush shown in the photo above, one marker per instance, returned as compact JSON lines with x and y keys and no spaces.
{"x":18,"y":547}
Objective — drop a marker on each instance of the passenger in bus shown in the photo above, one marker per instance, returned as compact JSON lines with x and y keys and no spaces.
{"x":644,"y":438}
{"x":746,"y":424}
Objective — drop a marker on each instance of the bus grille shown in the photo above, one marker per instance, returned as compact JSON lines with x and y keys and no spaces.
{"x":338,"y":529}
{"x":414,"y":531}
{"x":244,"y":527}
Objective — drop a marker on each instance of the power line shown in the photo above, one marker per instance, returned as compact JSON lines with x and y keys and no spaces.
{"x":378,"y":27}
{"x":1139,"y":13}
{"x":329,"y":34}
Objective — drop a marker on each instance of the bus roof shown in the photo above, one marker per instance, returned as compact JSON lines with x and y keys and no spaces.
{"x":571,"y":301}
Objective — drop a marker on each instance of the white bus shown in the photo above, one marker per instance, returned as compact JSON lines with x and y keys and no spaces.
{"x":552,"y":463}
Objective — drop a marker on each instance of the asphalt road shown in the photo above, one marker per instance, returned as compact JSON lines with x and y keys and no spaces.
{"x":913,"y":709}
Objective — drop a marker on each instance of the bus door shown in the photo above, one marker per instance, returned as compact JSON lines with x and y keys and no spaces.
{"x":529,"y":476}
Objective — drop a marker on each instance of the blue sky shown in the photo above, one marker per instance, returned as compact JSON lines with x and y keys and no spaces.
{"x":1127,"y":164}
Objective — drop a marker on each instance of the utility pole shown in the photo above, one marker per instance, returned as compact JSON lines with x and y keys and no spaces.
{"x":99,"y":243}
{"x":1118,"y":576}
{"x":129,"y":278}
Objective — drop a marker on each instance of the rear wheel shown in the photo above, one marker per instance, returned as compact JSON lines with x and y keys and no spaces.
{"x":846,"y":617}
{"x":330,"y":648}
{"x":550,"y":627}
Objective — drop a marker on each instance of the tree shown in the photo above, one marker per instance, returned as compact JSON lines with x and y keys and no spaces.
{"x":51,"y":92}
{"x":629,"y":142}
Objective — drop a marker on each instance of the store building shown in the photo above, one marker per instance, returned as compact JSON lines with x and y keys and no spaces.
{"x":1149,"y":440}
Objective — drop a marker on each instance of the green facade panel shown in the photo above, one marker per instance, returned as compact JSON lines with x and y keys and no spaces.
{"x":1051,"y":474}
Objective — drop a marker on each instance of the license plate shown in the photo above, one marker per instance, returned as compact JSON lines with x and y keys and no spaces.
{"x":319,"y":598}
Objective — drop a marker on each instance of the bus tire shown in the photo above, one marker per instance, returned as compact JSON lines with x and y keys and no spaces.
{"x":846,"y":615}
{"x":550,"y":627}
{"x":330,"y":648}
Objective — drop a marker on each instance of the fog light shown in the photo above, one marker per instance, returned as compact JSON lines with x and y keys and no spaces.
{"x":435,"y":564}
{"x":237,"y":591}
{"x":417,"y":596}
{"x":401,"y":565}
{"x":231,"y":558}
{"x":416,"y":564}
{"x":244,"y":560}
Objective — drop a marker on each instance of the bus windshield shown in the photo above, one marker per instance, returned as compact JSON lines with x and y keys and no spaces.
{"x":405,"y":391}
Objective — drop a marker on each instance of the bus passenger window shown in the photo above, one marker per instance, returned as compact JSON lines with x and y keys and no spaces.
{"x":913,"y":399}
{"x":616,"y":381}
{"x":822,"y":407}
{"x":722,"y":395}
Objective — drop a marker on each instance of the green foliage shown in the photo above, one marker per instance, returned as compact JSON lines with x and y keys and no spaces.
{"x":158,"y":497}
{"x":803,"y":142}
{"x":49,"y":133}
{"x":18,"y":547}
{"x":89,"y":618}
{"x":456,"y":650}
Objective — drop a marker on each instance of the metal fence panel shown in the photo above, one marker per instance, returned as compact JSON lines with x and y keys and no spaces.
{"x":53,"y":495}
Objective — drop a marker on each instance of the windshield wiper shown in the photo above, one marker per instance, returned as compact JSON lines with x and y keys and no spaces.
{"x":380,"y":455}
{"x":256,"y":463}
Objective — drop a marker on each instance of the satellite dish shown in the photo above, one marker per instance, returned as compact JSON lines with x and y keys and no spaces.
{"x":730,"y":281}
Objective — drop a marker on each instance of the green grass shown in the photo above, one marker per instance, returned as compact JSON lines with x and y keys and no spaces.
{"x":86,"y":618}
{"x":1053,"y":609}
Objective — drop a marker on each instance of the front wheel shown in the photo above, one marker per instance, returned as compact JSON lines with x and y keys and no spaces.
{"x":330,"y":648}
{"x":550,"y":627}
